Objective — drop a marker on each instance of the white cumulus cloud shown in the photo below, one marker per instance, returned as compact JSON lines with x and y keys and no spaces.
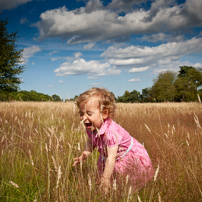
{"x":162,"y":37}
{"x":134,"y":80}
{"x":97,"y":23}
{"x":53,"y":52}
{"x":141,"y":57}
{"x":29,"y":52}
{"x":89,"y":46}
{"x":198,"y":65}
{"x":92,"y":68}
{"x":139,"y":69}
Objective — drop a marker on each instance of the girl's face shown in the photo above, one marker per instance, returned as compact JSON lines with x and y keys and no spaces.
{"x":90,"y":114}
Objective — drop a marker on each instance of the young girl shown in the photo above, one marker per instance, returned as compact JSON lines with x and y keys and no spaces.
{"x":120,"y":154}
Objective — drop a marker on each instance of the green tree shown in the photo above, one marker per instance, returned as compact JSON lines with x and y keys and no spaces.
{"x":188,"y":83}
{"x":124,"y":97}
{"x":163,"y":87}
{"x":3,"y":96}
{"x":133,"y":96}
{"x":42,"y":98}
{"x":10,"y":58}
{"x":181,"y":89}
{"x":56,"y":98}
{"x":146,"y":95}
{"x":183,"y":70}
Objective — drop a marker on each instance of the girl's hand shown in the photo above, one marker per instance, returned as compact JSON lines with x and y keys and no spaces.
{"x":105,"y":186}
{"x":79,"y":159}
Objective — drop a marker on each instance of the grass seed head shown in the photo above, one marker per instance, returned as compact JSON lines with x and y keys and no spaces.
{"x":14,"y":184}
{"x":156,"y":173}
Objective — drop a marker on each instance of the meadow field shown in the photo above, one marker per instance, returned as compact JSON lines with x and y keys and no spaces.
{"x":38,"y":141}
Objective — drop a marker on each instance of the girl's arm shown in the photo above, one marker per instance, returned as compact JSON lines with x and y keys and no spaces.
{"x":109,"y":167}
{"x":87,"y":151}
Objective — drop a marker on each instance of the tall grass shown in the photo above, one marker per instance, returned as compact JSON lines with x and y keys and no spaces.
{"x":38,"y":142}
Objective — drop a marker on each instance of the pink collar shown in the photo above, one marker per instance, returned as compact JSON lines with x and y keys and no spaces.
{"x":103,"y":128}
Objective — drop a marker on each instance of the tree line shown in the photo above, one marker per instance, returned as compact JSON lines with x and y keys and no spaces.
{"x":170,"y":87}
{"x":28,"y":96}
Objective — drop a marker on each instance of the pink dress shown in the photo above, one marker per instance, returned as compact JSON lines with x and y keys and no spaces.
{"x":132,"y":158}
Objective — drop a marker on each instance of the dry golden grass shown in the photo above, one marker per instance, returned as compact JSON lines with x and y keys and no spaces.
{"x":39,"y":140}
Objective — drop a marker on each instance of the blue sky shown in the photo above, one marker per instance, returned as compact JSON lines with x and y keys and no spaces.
{"x":70,"y":46}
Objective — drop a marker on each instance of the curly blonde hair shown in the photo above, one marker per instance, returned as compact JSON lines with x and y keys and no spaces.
{"x":105,"y":99}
